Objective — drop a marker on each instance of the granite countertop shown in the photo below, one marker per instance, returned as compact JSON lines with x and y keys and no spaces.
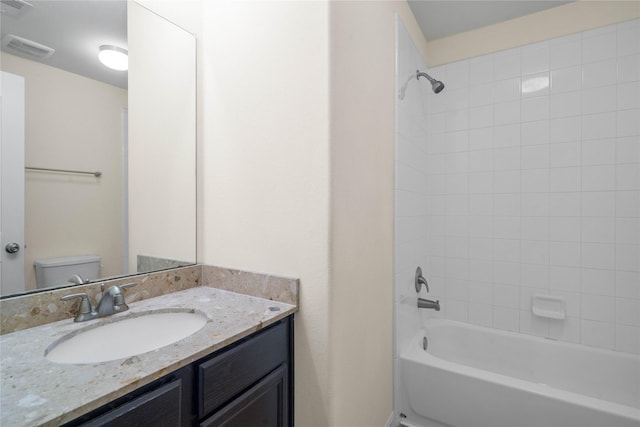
{"x":37,"y":392}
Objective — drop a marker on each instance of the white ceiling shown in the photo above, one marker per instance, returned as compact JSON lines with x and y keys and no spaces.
{"x":75,"y":29}
{"x":442,"y":18}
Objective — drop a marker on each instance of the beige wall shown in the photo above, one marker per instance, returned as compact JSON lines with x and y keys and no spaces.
{"x":72,"y":122}
{"x":297,"y":179}
{"x":559,"y":21}
{"x":362,"y":94}
{"x":162,"y":138}
{"x":265,"y":161}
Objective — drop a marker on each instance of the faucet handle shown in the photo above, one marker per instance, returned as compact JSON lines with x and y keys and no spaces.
{"x":86,"y":311}
{"x":128,"y":285}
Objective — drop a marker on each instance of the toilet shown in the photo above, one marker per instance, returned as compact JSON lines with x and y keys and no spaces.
{"x":58,"y":271}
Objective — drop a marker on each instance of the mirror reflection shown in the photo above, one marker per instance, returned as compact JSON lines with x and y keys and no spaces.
{"x":102,"y":160}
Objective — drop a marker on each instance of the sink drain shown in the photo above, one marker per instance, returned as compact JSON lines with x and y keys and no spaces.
{"x":425,"y":343}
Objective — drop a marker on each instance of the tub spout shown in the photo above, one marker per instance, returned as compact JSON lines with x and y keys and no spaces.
{"x":427,"y":303}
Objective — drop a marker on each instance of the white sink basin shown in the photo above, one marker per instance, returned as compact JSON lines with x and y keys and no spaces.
{"x":125,"y":338}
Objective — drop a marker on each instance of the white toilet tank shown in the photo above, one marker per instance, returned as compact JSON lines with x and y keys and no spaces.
{"x":58,"y":271}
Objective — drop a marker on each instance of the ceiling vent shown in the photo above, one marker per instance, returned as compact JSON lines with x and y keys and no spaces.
{"x":14,"y":7}
{"x":25,"y":47}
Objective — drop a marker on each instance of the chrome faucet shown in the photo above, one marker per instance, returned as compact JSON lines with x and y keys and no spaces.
{"x":422,"y":302}
{"x":112,"y":302}
{"x":77,"y":279}
{"x":427,"y":303}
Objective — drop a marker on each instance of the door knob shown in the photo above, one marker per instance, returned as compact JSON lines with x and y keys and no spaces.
{"x":12,"y":248}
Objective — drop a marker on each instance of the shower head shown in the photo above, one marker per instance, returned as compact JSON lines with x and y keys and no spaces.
{"x":436,"y":85}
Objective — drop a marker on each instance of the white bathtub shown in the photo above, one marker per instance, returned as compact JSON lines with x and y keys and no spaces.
{"x":472,"y":376}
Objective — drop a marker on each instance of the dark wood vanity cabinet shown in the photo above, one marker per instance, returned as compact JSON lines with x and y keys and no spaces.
{"x":249,"y":383}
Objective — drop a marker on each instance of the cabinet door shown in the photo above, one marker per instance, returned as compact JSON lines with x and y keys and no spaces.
{"x":158,"y":408}
{"x":263,"y":405}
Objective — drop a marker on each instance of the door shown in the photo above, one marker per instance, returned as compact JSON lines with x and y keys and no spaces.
{"x":12,"y":117}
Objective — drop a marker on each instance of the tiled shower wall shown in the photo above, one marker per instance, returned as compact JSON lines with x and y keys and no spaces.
{"x":532,"y":182}
{"x":410,"y":184}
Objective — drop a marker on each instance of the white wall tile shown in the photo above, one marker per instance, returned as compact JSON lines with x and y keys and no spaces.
{"x":627,"y":177}
{"x":566,"y":104}
{"x":627,"y":339}
{"x":628,"y":38}
{"x":506,"y":135}
{"x":507,"y":64}
{"x":564,"y":179}
{"x":565,"y":279}
{"x":598,"y":307}
{"x":481,"y":94}
{"x":599,"y":126}
{"x":628,"y":122}
{"x":627,"y":203}
{"x":598,"y":282}
{"x":534,"y":252}
{"x":627,"y":311}
{"x":628,"y":95}
{"x":535,"y":156}
{"x":598,"y":334}
{"x":535,"y":58}
{"x":535,"y":204}
{"x":598,"y":203}
{"x":627,"y":231}
{"x":599,"y":152}
{"x":564,"y":154}
{"x":599,"y":99}
{"x":564,"y":254}
{"x":535,"y":133}
{"x":628,"y":149}
{"x":506,"y":90}
{"x":532,"y":186}
{"x":598,"y":230}
{"x":628,"y":69}
{"x":533,"y":325}
{"x":566,"y":79}
{"x":535,"y":109}
{"x":567,"y":330}
{"x":599,"y":73}
{"x":505,"y":296}
{"x":480,"y":117}
{"x":564,"y":228}
{"x":598,"y":255}
{"x":599,"y":178}
{"x":507,"y":113}
{"x":533,"y":275}
{"x":627,"y":257}
{"x":507,"y":319}
{"x":565,"y":51}
{"x":481,"y":139}
{"x":599,"y":47}
{"x":565,"y":129}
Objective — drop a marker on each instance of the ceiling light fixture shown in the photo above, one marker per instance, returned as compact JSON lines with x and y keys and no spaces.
{"x":114,"y":57}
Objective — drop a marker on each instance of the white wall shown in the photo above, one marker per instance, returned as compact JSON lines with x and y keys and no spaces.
{"x":66,"y":128}
{"x":534,"y":187}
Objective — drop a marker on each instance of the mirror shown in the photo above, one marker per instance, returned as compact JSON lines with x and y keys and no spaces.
{"x":136,"y":128}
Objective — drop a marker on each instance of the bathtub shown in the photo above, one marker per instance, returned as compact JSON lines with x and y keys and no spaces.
{"x":471,"y":376}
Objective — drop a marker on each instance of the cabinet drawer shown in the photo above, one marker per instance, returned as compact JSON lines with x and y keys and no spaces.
{"x":265,"y":404}
{"x":225,"y":376}
{"x":160,"y":407}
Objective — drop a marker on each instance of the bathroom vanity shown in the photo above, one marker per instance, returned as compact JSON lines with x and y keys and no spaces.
{"x":235,"y":370}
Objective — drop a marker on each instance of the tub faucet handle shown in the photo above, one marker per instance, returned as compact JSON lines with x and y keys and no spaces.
{"x":420,"y":280}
